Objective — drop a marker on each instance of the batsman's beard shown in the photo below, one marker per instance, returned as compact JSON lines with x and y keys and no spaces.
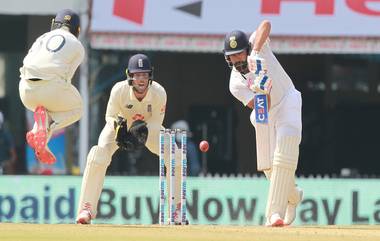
{"x":242,"y":67}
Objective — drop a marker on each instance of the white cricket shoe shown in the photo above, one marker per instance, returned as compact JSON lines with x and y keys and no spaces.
{"x":293,"y":202}
{"x":275,"y":221}
{"x":84,"y":216}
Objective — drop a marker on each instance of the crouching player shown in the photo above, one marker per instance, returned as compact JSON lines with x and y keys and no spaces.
{"x":134,"y":116}
{"x":260,"y":83}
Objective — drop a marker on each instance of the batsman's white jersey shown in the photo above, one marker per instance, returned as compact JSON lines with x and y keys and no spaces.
{"x":46,"y":77}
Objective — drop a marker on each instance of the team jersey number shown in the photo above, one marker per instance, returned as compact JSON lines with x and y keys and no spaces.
{"x":55,"y":43}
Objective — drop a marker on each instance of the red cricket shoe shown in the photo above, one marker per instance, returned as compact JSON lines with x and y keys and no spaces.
{"x":30,"y":139}
{"x":45,"y":156}
{"x":40,"y":137}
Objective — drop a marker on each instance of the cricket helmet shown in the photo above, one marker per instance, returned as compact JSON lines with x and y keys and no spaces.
{"x":69,"y":19}
{"x":236,"y":42}
{"x":139,"y":63}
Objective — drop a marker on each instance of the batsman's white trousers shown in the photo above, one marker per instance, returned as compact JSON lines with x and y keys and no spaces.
{"x":284,"y":120}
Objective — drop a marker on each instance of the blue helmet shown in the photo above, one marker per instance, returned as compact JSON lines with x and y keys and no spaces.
{"x":67,"y":18}
{"x":236,"y":42}
{"x":139,"y":63}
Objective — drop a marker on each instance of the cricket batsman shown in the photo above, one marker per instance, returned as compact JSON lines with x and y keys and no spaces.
{"x":260,"y":83}
{"x":134,"y":116}
{"x":45,"y":86}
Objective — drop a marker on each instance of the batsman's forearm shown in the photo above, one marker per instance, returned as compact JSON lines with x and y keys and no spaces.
{"x":262,"y":34}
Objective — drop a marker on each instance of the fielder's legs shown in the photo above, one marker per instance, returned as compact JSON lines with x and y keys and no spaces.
{"x":55,"y":105}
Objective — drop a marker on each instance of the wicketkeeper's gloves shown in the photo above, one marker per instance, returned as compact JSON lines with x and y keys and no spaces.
{"x":137,"y":134}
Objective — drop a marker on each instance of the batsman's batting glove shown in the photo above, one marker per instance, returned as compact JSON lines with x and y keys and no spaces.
{"x":262,"y":84}
{"x":256,"y":64}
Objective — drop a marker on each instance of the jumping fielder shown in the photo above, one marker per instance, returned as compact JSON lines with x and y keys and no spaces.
{"x":260,"y":83}
{"x":45,"y":86}
{"x":134,"y":116}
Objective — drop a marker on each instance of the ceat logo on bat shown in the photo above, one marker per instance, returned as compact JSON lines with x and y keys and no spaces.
{"x":261,"y":109}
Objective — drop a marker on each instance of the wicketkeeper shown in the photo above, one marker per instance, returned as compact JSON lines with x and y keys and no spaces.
{"x":134,"y":116}
{"x":260,"y":83}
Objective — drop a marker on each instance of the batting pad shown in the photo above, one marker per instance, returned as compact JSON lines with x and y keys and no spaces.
{"x":294,"y":192}
{"x":282,"y":177}
{"x":98,"y":160}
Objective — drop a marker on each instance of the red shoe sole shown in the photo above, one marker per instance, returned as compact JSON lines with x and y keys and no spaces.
{"x":45,"y":156}
{"x":278,"y":223}
{"x":82,"y":221}
{"x":40,"y":137}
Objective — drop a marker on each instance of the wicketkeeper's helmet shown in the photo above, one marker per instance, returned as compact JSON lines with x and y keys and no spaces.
{"x":139,"y":63}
